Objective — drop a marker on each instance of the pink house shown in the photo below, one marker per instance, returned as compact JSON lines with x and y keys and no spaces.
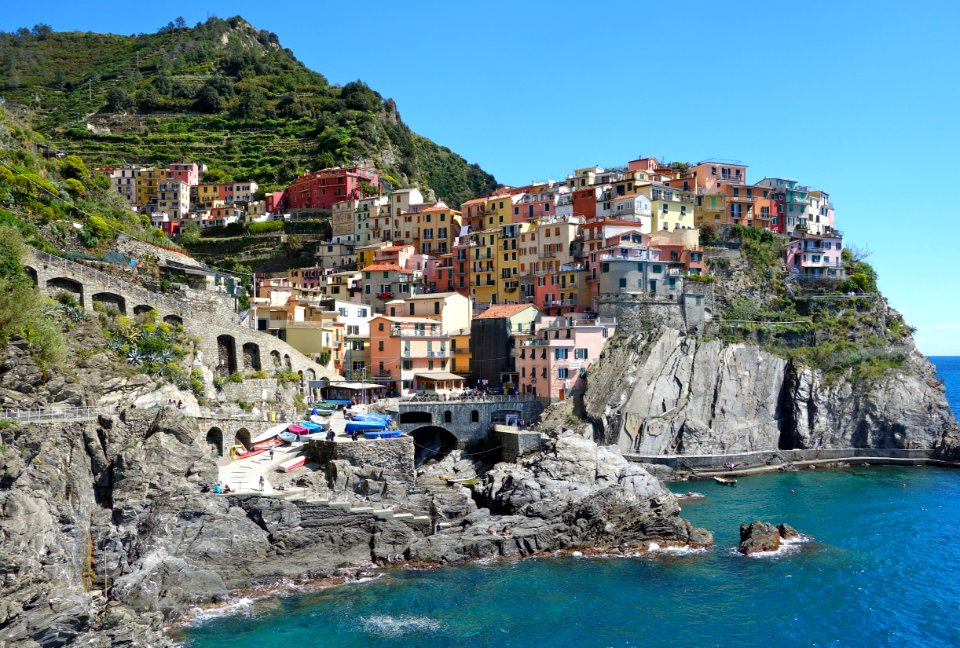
{"x":187,"y":172}
{"x":553,"y":363}
{"x":816,"y":255}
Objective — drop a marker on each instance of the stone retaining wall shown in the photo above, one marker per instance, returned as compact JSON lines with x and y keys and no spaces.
{"x":393,"y":455}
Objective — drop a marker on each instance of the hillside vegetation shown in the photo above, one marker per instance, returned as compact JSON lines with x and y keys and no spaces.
{"x":220,"y":93}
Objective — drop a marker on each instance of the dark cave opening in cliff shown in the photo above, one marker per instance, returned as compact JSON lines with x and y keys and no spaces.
{"x":432,"y":442}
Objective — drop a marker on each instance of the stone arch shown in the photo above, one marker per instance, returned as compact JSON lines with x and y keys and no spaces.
{"x":275,"y":359}
{"x":110,"y":300}
{"x":311,"y":374}
{"x":432,"y":441}
{"x":286,"y":362}
{"x":32,"y":273}
{"x":474,"y":416}
{"x":447,"y":416}
{"x":416,"y":417}
{"x":215,"y":441}
{"x":226,"y":355}
{"x":243,"y":438}
{"x":65,"y":284}
{"x":251,"y":356}
{"x":173,"y":320}
{"x":143,"y":309}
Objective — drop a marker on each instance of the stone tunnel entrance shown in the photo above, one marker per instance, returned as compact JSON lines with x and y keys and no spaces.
{"x":215,"y":441}
{"x":432,"y":442}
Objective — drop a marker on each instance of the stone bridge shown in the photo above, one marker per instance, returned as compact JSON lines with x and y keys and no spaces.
{"x":458,"y":423}
{"x":226,"y":345}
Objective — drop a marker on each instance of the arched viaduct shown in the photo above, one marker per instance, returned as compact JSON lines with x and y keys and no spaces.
{"x":226,"y":345}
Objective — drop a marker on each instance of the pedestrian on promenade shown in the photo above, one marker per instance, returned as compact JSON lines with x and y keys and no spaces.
{"x":271,"y":453}
{"x":261,"y":483}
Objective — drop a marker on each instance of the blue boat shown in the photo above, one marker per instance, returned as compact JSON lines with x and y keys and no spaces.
{"x":312,"y":427}
{"x":371,"y":416}
{"x":366,"y":426}
{"x":382,"y":434}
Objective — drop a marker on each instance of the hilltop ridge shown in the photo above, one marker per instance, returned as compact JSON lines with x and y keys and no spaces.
{"x":222,"y":93}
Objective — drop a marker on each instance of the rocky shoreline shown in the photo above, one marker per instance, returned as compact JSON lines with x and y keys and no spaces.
{"x":116,"y":505}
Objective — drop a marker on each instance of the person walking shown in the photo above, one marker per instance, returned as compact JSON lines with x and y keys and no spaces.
{"x":270,"y":452}
{"x":261,"y":483}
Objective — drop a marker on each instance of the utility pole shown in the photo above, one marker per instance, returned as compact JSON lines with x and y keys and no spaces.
{"x":363,"y":385}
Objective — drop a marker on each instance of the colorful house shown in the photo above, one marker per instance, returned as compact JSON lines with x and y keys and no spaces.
{"x":553,"y":363}
{"x":411,"y":355}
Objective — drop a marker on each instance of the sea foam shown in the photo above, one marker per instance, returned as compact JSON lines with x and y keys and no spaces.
{"x":394,"y":626}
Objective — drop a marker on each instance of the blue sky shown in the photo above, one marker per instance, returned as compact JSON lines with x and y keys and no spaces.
{"x":859,"y":99}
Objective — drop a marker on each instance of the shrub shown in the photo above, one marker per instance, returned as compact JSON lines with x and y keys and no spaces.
{"x":98,"y":227}
{"x":265,"y":226}
{"x":235,"y":377}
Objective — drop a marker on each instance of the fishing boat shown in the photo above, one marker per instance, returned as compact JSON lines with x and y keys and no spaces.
{"x":382,"y":434}
{"x":366,"y":426}
{"x":320,"y":411}
{"x":726,"y":481}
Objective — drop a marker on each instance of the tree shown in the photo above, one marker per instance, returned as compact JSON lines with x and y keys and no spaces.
{"x":209,"y":100}
{"x":180,"y":23}
{"x":119,"y":100}
{"x":250,"y":104}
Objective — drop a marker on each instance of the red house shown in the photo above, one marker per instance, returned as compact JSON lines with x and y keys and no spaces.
{"x":320,"y":189}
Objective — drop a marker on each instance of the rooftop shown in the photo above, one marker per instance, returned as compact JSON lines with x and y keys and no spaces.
{"x":437,"y":295}
{"x":498,"y":311}
{"x":386,"y":267}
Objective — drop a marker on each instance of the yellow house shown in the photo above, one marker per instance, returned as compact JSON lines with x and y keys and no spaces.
{"x":508,"y":262}
{"x":671,"y":208}
{"x":460,"y":345}
{"x":147,"y":180}
{"x":710,"y":209}
{"x":499,"y":209}
{"x":483,"y":266}
{"x":434,"y":229}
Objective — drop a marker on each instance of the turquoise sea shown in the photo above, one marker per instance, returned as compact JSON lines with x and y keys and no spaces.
{"x":880,"y":570}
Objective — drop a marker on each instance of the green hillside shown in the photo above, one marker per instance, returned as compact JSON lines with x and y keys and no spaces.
{"x":221,"y":93}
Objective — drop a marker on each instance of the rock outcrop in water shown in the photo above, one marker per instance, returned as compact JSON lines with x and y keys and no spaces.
{"x":763,"y":537}
{"x":670,"y":393}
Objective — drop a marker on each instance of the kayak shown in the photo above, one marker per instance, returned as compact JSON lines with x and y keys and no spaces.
{"x":312,"y":427}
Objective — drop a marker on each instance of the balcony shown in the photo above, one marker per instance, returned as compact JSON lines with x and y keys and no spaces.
{"x":443,"y":353}
{"x":418,"y":333}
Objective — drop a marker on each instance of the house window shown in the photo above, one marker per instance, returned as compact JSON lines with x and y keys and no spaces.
{"x":562,"y":373}
{"x":407,"y":365}
{"x":580,"y":354}
{"x":358,"y":365}
{"x":560,"y":354}
{"x":623,"y":282}
{"x":380,"y":345}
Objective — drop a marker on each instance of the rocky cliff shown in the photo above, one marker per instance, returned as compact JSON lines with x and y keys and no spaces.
{"x":106,"y":534}
{"x":669,"y":393}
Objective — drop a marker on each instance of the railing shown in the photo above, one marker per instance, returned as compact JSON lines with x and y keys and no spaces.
{"x":50,"y":414}
{"x":414,"y":333}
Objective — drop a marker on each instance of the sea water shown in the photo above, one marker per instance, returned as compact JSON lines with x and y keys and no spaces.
{"x":880,"y":569}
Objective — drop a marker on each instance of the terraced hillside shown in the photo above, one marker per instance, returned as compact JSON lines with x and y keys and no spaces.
{"x":221,"y":93}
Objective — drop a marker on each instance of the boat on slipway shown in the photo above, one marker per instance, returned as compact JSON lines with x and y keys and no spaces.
{"x":303,"y":431}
